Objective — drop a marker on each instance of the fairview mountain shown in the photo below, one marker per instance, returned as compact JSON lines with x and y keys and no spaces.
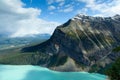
{"x":82,"y":43}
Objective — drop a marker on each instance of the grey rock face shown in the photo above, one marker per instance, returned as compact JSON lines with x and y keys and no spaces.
{"x":85,"y":39}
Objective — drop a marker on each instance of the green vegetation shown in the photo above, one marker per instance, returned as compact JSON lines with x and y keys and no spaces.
{"x":117,"y":49}
{"x":94,"y":68}
{"x":71,"y":34}
{"x":57,"y":60}
{"x":15,"y":57}
{"x":24,"y":59}
{"x":114,"y":71}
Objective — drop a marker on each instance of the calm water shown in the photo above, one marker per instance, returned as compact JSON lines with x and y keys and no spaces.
{"x":9,"y":72}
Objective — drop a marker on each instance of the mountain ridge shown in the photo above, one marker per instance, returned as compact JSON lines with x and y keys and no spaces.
{"x":97,"y":31}
{"x":82,"y":43}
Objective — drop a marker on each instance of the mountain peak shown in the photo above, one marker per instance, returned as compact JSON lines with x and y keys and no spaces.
{"x":79,"y":16}
{"x":117,"y":16}
{"x":84,"y":18}
{"x":84,"y":39}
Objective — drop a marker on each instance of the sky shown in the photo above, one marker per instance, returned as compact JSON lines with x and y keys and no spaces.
{"x":27,"y":17}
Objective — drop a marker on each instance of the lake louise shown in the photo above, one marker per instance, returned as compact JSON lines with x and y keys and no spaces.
{"x":59,"y":39}
{"x":28,"y":72}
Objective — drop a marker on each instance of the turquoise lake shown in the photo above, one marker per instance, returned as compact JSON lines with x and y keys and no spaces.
{"x":28,"y":72}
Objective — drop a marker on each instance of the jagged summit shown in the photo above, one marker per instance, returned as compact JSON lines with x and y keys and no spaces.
{"x":79,"y":16}
{"x":85,"y":39}
{"x":84,"y":17}
{"x":117,"y":16}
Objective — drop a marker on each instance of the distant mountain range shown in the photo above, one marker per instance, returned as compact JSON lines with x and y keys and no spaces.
{"x":11,"y":42}
{"x":83,"y":43}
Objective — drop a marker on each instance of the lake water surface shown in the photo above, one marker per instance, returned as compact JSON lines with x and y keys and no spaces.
{"x":28,"y":72}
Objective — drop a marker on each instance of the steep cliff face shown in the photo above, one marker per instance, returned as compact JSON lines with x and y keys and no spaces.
{"x":82,"y":43}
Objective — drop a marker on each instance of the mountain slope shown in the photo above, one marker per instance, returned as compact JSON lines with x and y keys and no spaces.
{"x":82,"y":43}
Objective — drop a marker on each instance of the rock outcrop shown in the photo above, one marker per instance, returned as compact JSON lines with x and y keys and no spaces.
{"x":82,"y":43}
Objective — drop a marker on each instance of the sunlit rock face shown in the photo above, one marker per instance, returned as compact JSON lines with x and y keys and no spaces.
{"x":88,"y":39}
{"x":9,"y":72}
{"x":82,"y":43}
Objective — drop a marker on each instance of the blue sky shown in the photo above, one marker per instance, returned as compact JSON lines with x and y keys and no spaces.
{"x":62,"y":10}
{"x":27,"y":17}
{"x":59,"y":11}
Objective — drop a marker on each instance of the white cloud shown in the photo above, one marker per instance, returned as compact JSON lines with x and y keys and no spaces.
{"x":20,"y":21}
{"x":104,"y":8}
{"x":50,"y":1}
{"x":54,"y":1}
{"x":83,"y":11}
{"x":61,"y":3}
{"x":59,"y":0}
{"x":67,"y":8}
{"x":51,"y":7}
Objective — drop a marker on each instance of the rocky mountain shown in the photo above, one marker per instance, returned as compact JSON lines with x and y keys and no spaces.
{"x":82,"y":43}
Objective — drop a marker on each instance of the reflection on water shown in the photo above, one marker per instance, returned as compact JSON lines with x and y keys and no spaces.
{"x":10,"y":72}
